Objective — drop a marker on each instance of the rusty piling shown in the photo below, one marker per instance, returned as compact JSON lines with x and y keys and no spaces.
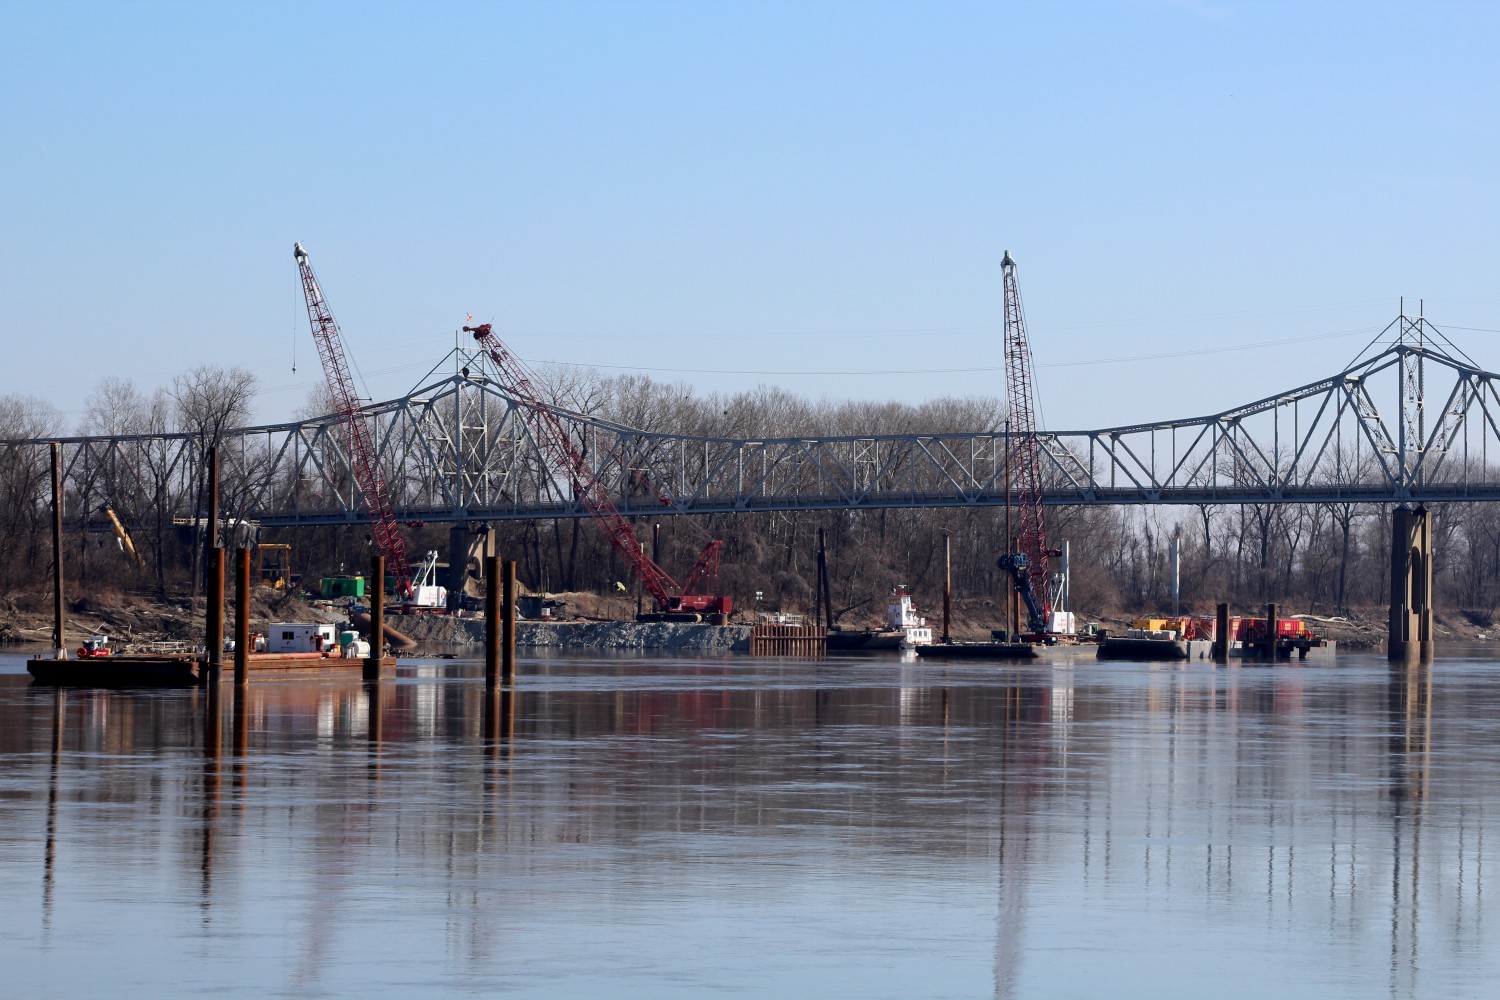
{"x":824,"y":593}
{"x":212,"y":535}
{"x":214,"y":568}
{"x":1269,"y":653}
{"x":242,"y":617}
{"x":947,"y":585}
{"x":1222,"y":638}
{"x":59,"y":631}
{"x":215,"y":614}
{"x":491,"y":622}
{"x":508,"y":616}
{"x":371,"y":671}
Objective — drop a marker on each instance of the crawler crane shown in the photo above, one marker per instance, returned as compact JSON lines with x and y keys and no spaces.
{"x":567,"y":462}
{"x":361,"y":451}
{"x":1026,"y":562}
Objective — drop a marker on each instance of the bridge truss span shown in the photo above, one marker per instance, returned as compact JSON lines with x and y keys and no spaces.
{"x":1413,"y":423}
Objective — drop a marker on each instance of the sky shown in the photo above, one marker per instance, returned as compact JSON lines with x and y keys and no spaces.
{"x":1208,"y":202}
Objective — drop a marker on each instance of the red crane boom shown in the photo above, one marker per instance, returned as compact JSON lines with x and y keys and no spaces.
{"x":1023,"y":461}
{"x":356,"y":435}
{"x":566,"y":460}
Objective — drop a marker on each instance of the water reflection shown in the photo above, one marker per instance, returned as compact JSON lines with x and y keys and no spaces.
{"x":1052,"y":830}
{"x":1409,"y":697}
{"x":213,"y":745}
{"x":1025,"y":759}
{"x":49,"y":857}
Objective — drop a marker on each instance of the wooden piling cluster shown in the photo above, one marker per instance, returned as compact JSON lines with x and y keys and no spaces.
{"x":499,"y":621}
{"x":772,"y":639}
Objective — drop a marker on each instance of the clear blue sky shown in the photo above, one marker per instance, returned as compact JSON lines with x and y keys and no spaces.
{"x":748,"y":191}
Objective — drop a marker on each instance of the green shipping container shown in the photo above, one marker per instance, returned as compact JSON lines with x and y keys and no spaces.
{"x":343,"y":586}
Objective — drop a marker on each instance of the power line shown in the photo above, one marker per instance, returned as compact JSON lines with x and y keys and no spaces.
{"x":976,"y":369}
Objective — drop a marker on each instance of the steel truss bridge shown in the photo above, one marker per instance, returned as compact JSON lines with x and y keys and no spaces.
{"x":1414,"y":422}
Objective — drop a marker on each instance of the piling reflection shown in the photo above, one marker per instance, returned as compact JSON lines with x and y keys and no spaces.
{"x":374,"y":725}
{"x":54,"y":770}
{"x":1281,"y":802}
{"x":213,"y":746}
{"x":1025,"y":749}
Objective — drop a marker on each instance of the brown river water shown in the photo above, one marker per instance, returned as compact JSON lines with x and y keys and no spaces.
{"x":642,"y":826}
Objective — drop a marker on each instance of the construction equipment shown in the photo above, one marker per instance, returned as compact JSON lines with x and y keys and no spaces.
{"x":1027,"y":563}
{"x":426,"y":596}
{"x":95,"y":647}
{"x":122,"y":537}
{"x":1015,"y":564}
{"x":567,"y":462}
{"x":346,"y":404}
{"x":273,"y":565}
{"x":696,"y":593}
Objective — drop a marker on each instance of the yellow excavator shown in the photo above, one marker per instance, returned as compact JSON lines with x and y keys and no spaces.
{"x":121,"y":535}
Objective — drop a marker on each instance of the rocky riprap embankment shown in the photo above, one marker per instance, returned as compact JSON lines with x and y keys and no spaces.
{"x":665,"y":636}
{"x":668,"y":636}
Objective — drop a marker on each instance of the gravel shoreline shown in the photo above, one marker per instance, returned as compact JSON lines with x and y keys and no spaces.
{"x":667,"y":636}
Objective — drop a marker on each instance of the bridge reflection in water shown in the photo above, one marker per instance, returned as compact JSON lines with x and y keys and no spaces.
{"x":841,"y":827}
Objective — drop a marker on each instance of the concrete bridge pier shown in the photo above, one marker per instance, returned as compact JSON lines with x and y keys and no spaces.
{"x":467,"y":545}
{"x":1411,"y":586}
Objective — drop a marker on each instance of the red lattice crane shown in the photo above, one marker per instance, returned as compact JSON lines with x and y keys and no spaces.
{"x":361,"y":451}
{"x":566,"y":461}
{"x":1023,"y":458}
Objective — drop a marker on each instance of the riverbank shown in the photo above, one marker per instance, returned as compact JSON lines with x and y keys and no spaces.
{"x":603,"y":623}
{"x":676,"y":637}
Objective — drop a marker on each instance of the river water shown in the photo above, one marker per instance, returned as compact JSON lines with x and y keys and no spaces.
{"x":665,"y":827}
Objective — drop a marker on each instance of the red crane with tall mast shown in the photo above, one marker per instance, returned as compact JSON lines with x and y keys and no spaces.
{"x":1023,"y":465}
{"x":567,"y":461}
{"x":346,"y":404}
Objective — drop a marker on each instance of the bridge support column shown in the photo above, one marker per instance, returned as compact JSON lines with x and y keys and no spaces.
{"x":1411,"y":586}
{"x":458,"y":565}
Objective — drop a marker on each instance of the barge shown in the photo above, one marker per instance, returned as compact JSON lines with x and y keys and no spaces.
{"x":1160,"y":639}
{"x":978,"y":651}
{"x":1188,"y":638}
{"x":292,"y":651}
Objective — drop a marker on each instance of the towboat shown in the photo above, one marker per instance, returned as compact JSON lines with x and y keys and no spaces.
{"x":903,"y":628}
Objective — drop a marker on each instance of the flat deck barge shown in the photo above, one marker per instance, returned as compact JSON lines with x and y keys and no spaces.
{"x":186,"y":670}
{"x":1135,"y":648}
{"x":978,"y":651}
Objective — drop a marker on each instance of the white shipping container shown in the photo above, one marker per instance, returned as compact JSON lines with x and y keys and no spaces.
{"x":300,"y":637}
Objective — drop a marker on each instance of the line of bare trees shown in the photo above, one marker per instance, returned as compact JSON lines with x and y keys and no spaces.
{"x":1320,"y":557}
{"x":144,"y":489}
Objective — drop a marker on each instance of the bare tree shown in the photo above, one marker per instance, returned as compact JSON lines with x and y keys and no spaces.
{"x":25,"y":498}
{"x":209,"y":401}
